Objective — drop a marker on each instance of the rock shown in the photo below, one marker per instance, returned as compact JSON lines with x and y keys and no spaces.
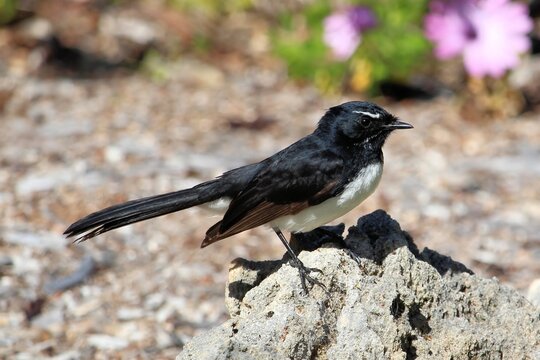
{"x":34,"y":29}
{"x":129,"y":28}
{"x":38,"y":240}
{"x":107,"y":342}
{"x":533,"y":293}
{"x":128,"y":313}
{"x":52,"y":321}
{"x":400,"y":303}
{"x":68,"y":355}
{"x":86,"y":269}
{"x":5,"y":261}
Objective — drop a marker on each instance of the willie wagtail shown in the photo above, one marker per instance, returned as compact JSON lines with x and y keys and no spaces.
{"x":308,"y":184}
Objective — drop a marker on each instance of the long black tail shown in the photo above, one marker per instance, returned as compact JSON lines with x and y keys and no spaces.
{"x":146,"y":208}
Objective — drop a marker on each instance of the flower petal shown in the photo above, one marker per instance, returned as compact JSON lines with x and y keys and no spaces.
{"x":489,"y":33}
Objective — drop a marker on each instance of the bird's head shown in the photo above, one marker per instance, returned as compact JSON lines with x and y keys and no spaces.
{"x":360,"y":122}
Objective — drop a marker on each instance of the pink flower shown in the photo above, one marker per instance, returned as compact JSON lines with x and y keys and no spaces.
{"x":490,"y":34}
{"x":343,"y":30}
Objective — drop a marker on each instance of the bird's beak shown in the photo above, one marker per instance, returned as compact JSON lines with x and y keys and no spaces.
{"x":397,"y":124}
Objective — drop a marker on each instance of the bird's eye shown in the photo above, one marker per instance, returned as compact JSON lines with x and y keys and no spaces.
{"x":365,"y":122}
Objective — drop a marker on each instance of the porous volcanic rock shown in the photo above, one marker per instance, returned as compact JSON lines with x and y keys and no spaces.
{"x":396,"y":303}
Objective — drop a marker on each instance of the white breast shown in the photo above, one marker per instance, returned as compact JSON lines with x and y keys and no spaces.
{"x":355,"y":192}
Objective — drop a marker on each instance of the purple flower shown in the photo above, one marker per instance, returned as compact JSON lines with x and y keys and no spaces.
{"x":490,"y":34}
{"x":342,"y":30}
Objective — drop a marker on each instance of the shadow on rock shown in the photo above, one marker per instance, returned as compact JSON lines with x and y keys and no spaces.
{"x":377,"y":235}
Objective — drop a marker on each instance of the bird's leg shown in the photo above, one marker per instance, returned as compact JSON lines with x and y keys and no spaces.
{"x":297,"y":263}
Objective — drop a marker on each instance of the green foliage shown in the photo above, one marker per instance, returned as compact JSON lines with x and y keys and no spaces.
{"x":397,"y":45}
{"x":391,"y":50}
{"x":201,"y":43}
{"x":155,"y":66}
{"x":8,"y":9}
{"x":298,"y":40}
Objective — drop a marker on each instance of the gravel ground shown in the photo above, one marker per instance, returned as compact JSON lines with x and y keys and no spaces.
{"x":69,"y":147}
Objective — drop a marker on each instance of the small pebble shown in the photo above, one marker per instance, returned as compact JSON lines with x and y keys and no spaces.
{"x":107,"y":342}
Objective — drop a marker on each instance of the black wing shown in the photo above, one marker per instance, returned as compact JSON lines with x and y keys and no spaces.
{"x":302,"y":175}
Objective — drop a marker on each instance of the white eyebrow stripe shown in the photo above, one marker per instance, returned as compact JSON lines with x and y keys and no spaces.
{"x":375,"y":116}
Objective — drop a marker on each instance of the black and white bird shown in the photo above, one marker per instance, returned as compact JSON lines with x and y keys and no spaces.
{"x":308,"y":184}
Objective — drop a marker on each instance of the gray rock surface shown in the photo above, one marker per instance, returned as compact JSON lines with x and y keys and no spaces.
{"x":399,"y":303}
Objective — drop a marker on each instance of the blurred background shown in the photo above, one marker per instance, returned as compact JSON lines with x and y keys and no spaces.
{"x":102,"y":101}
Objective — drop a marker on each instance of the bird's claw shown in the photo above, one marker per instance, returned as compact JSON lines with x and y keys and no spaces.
{"x":304,"y":275}
{"x":357,"y":259}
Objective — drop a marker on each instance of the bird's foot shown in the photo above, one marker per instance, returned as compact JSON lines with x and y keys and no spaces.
{"x":304,"y":275}
{"x":357,"y":259}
